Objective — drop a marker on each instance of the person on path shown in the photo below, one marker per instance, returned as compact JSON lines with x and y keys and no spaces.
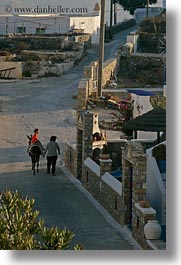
{"x":52,"y":150}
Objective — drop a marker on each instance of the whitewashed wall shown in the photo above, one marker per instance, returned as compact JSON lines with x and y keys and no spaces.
{"x":52,"y":24}
{"x":90,"y":25}
{"x":156,"y":191}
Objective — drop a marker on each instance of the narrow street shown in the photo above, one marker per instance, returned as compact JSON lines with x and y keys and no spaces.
{"x":48,"y":104}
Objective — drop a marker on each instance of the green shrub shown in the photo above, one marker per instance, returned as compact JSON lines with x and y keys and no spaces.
{"x":26,"y":73}
{"x":21,"y":229}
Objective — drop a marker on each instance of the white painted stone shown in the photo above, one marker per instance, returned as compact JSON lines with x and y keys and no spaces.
{"x":89,"y":163}
{"x":149,"y":210}
{"x":112,"y":182}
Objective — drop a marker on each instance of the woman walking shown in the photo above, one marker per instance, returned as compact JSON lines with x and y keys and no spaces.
{"x":52,"y":150}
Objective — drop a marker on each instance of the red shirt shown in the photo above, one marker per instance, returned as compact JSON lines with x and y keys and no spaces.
{"x":34,"y":138}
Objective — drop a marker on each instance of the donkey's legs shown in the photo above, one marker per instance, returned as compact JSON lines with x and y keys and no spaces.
{"x":37,"y":162}
{"x":33,"y":164}
{"x":33,"y":168}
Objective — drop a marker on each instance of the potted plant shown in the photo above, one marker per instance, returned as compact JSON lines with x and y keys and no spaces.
{"x":159,"y":152}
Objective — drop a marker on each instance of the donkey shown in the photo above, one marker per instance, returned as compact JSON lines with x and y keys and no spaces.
{"x":34,"y":151}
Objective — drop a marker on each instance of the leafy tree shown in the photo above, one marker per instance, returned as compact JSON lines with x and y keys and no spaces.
{"x":21,"y":229}
{"x":131,"y":5}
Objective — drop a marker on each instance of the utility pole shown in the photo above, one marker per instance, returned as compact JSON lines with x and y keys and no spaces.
{"x":110,"y":28}
{"x":6,"y":25}
{"x":147,"y":7}
{"x":101,"y":49}
{"x":115,"y":13}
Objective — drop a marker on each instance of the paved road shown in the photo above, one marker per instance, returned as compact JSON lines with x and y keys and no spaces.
{"x":48,"y":105}
{"x":63,"y":202}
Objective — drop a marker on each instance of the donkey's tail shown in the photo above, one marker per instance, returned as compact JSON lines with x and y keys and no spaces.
{"x":29,"y":137}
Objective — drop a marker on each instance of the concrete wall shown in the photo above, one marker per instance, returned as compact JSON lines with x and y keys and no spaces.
{"x":15,"y":73}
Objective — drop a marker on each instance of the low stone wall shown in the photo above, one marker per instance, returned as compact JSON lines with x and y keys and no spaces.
{"x":70,"y":158}
{"x":108,"y":66}
{"x":105,"y":189}
{"x":43,"y":69}
{"x":110,"y":193}
{"x":55,"y":70}
{"x":53,"y":56}
{"x":111,"y":196}
{"x":141,"y":70}
{"x":91,"y":177}
{"x":140,"y":218}
{"x":88,"y":85}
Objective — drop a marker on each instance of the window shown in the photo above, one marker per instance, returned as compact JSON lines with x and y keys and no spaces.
{"x":21,"y":30}
{"x":40,"y":30}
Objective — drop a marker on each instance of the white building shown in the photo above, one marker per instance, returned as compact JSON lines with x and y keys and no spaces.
{"x":48,"y":24}
{"x":153,"y":10}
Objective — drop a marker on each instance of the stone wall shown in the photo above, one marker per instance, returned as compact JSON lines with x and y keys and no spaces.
{"x":104,"y":188}
{"x":88,"y":85}
{"x":111,"y":198}
{"x":53,"y":56}
{"x":42,"y":56}
{"x":55,"y":69}
{"x":82,"y":94}
{"x":91,"y":177}
{"x":42,"y":43}
{"x":140,"y":218}
{"x":133,"y":177}
{"x":70,"y":158}
{"x":123,"y":200}
{"x":84,"y":138}
{"x":141,"y":70}
{"x":108,"y":66}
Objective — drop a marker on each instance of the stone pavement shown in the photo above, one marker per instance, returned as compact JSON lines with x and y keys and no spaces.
{"x":63,"y":202}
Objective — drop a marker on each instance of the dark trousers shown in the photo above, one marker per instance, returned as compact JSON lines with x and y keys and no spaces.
{"x":51,"y":161}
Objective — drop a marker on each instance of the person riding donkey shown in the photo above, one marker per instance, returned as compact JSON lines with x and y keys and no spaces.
{"x":33,"y":140}
{"x":35,"y":149}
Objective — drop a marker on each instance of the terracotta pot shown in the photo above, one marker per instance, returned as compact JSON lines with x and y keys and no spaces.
{"x":144,"y":204}
{"x":152,"y":229}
